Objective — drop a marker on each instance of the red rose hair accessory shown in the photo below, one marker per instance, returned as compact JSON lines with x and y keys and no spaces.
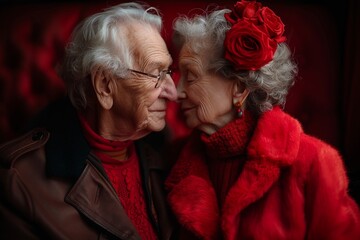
{"x":254,"y":35}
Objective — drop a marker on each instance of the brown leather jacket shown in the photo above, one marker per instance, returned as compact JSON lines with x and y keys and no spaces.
{"x":53,"y":187}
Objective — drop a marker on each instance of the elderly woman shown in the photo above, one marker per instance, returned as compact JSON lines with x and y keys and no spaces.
{"x":249,"y":171}
{"x":92,"y":170}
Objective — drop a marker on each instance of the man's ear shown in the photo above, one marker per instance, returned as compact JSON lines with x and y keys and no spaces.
{"x":103,"y":87}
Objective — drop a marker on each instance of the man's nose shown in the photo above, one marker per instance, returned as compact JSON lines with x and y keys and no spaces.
{"x":168,"y":89}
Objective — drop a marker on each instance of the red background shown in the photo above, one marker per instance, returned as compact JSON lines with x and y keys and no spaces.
{"x":323,"y":37}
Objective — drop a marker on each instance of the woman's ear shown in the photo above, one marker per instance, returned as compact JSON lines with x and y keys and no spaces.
{"x":240,"y":93}
{"x":103,"y":87}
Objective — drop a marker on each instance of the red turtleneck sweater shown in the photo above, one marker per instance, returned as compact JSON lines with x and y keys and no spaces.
{"x":226,"y":153}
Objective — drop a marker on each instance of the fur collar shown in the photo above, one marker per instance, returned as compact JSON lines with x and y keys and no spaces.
{"x":274,"y":144}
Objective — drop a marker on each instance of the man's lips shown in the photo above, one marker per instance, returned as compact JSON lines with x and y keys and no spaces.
{"x":157,"y":110}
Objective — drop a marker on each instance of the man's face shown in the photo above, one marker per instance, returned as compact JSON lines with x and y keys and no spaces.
{"x":138,"y":105}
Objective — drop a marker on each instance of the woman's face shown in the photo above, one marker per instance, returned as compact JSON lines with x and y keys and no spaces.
{"x":205,"y":96}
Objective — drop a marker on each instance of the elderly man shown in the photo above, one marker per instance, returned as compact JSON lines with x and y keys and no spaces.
{"x":92,"y":170}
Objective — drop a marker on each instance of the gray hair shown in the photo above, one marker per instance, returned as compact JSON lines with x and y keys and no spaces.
{"x":101,"y":40}
{"x":268,"y":86}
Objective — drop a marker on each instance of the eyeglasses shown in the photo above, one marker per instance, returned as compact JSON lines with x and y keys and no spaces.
{"x":160,"y":77}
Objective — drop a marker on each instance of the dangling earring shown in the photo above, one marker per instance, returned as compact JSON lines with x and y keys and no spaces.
{"x":239,"y":111}
{"x":238,"y":101}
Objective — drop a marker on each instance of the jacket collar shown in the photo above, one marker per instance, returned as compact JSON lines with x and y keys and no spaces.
{"x":274,"y":145}
{"x":95,"y":198}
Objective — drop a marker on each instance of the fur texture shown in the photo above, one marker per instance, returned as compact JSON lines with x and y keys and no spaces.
{"x":292,"y":186}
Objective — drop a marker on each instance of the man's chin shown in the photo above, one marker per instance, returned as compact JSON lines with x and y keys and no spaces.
{"x":157,"y":126}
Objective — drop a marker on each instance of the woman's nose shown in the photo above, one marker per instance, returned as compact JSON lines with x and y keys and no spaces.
{"x":180,"y":90}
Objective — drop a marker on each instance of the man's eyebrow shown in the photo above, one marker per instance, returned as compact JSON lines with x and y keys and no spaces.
{"x":154,"y":65}
{"x":161,"y":64}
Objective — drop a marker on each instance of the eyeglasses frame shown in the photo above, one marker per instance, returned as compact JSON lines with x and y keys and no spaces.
{"x":158,"y":77}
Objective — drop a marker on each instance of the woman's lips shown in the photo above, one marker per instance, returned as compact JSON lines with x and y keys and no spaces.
{"x":186,"y":109}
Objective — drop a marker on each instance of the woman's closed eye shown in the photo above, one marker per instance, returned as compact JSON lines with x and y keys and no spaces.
{"x":190,"y":77}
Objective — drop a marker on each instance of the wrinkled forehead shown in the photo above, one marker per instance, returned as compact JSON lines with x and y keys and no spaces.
{"x":147,"y":45}
{"x":193,"y":56}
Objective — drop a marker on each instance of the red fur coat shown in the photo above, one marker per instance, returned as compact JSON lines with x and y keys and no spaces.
{"x":292,"y":186}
